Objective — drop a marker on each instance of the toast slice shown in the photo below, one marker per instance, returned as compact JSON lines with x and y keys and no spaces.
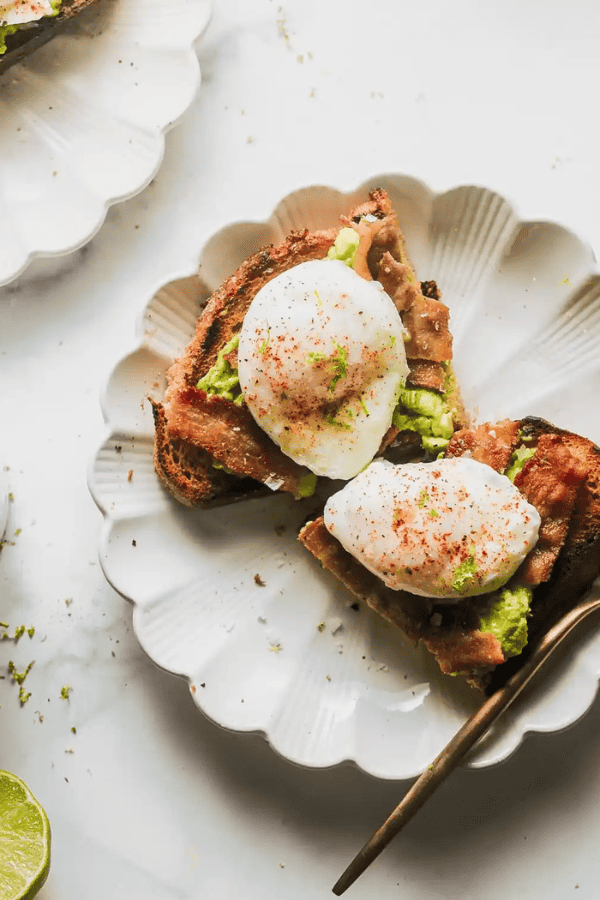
{"x":29,"y":37}
{"x":561,"y":478}
{"x":217,"y":429}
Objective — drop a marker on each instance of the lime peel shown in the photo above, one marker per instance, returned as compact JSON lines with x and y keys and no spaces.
{"x":24,"y":840}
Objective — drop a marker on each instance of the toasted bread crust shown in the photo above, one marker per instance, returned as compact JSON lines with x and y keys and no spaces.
{"x":24,"y":41}
{"x":189,"y":475}
{"x":232,"y":436}
{"x":451,"y":632}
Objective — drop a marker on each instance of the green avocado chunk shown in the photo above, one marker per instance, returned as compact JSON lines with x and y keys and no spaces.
{"x":518,"y":460}
{"x":222,"y":379}
{"x":307,"y":486}
{"x":507,"y":619}
{"x":345,"y":246}
{"x":426,"y":413}
{"x":5,"y":30}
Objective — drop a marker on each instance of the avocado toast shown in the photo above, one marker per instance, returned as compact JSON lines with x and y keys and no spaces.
{"x":209,"y":447}
{"x":485,"y":637}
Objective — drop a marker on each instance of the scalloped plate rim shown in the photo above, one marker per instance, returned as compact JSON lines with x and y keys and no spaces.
{"x":159,"y":134}
{"x":520,"y":730}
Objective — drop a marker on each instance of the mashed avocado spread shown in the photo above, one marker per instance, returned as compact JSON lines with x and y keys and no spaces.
{"x":222,"y":379}
{"x":345,"y":246}
{"x":426,"y":413}
{"x":5,"y":30}
{"x":507,"y":619}
{"x":518,"y":460}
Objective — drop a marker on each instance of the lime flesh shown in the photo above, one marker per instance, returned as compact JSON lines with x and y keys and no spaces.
{"x":24,"y":840}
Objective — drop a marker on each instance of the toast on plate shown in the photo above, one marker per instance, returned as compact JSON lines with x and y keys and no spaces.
{"x":210,"y":448}
{"x":486,"y":636}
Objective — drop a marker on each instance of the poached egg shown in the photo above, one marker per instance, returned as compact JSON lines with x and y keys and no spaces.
{"x":449,"y":529}
{"x":321,"y":362}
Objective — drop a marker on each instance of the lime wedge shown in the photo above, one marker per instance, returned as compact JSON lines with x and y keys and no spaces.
{"x":24,"y":840}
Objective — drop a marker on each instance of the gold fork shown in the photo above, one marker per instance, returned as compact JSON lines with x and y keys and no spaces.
{"x":455,"y":751}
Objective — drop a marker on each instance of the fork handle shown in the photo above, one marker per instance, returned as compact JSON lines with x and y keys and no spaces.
{"x":457,"y":748}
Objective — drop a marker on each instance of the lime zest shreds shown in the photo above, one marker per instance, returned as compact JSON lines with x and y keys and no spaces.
{"x":20,"y":677}
{"x":338,"y":361}
{"x":330,"y":418}
{"x":517,"y":461}
{"x":222,"y":379}
{"x":364,"y":406}
{"x":25,"y":840}
{"x":65,"y":691}
{"x":464,"y":573}
{"x":345,"y":246}
{"x":507,"y":619}
{"x":306,"y":488}
{"x":318,"y":296}
{"x":20,"y":630}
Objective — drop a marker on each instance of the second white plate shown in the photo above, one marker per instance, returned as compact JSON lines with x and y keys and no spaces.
{"x":84,"y":117}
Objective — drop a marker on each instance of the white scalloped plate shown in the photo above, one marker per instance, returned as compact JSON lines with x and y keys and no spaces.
{"x":525,"y":311}
{"x":84,"y":118}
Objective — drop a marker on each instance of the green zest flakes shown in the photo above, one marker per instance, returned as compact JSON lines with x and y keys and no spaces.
{"x":20,"y":677}
{"x":222,"y":379}
{"x":338,"y":362}
{"x":331,"y":420}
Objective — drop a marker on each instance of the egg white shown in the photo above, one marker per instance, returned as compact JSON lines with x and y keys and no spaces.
{"x":321,"y":362}
{"x":418,"y":526}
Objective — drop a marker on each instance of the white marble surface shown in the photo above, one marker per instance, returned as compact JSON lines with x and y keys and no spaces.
{"x":154,"y":802}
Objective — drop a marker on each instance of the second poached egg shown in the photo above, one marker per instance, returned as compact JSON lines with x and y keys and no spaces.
{"x":449,"y":529}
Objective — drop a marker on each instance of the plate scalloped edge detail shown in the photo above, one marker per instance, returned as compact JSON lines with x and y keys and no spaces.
{"x":83,"y":130}
{"x":253,"y":655}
